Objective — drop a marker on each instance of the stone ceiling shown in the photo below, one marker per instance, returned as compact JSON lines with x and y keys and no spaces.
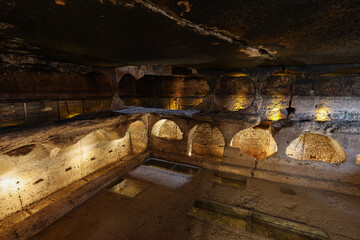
{"x":194,"y":33}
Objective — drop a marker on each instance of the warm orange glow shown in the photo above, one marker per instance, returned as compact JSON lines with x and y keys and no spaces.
{"x":8,"y":124}
{"x":174,"y":104}
{"x":286,"y":73}
{"x":72,"y":115}
{"x":274,"y":114}
{"x":235,"y":74}
{"x":358,"y":159}
{"x":136,"y":102}
{"x":322,"y":113}
{"x":60,"y":2}
{"x":237,"y":103}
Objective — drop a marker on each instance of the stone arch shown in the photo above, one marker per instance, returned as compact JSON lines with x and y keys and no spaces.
{"x":45,"y":96}
{"x":205,"y":139}
{"x":126,"y":89}
{"x":316,"y":147}
{"x":328,"y":97}
{"x":276,"y":92}
{"x":174,"y":92}
{"x":166,"y":129}
{"x":255,"y":141}
{"x":234,"y":92}
{"x":138,"y":136}
{"x":44,"y":85}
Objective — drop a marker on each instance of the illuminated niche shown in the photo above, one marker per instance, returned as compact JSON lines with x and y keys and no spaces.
{"x":256,"y":142}
{"x":167,"y":129}
{"x":205,"y":139}
{"x":316,"y":147}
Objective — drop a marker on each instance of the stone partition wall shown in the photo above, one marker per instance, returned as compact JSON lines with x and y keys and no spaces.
{"x":326,"y":160}
{"x":35,"y":164}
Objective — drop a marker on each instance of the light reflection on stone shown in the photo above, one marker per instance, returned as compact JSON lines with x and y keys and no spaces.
{"x":274,"y":112}
{"x":237,"y":103}
{"x":323,"y":112}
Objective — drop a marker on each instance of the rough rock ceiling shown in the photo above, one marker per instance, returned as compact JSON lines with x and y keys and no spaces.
{"x":196,"y":33}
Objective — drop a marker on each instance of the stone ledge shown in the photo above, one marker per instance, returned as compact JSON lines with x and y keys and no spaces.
{"x":269,"y":175}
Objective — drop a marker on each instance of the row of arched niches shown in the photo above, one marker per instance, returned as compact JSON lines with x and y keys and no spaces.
{"x":33,"y":96}
{"x":283,"y":94}
{"x":258,"y":142}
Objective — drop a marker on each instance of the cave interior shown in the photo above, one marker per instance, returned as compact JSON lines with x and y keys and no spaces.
{"x":183,"y":119}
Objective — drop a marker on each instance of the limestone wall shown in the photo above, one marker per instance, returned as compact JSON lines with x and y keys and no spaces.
{"x":39,"y":161}
{"x":31,"y":96}
{"x":285,"y":132}
{"x":170,"y":92}
{"x":273,"y":94}
{"x":35,"y":164}
{"x":328,"y":155}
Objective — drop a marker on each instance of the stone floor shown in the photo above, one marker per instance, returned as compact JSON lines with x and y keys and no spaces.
{"x":153,"y":202}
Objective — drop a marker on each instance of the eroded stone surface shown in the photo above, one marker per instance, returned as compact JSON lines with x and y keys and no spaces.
{"x":205,"y":139}
{"x":174,"y":92}
{"x":235,"y":92}
{"x":138,"y":136}
{"x":33,"y":171}
{"x":60,"y":154}
{"x":167,"y":129}
{"x":256,"y":142}
{"x":316,"y":147}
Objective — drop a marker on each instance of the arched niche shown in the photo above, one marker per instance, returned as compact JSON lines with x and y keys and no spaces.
{"x":235,"y":92}
{"x":138,"y":136}
{"x":316,"y":147}
{"x":126,"y":90}
{"x":256,"y":142}
{"x":328,"y":97}
{"x":276,"y":92}
{"x":15,"y":85}
{"x":205,"y":140}
{"x":174,"y":92}
{"x":166,"y":129}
